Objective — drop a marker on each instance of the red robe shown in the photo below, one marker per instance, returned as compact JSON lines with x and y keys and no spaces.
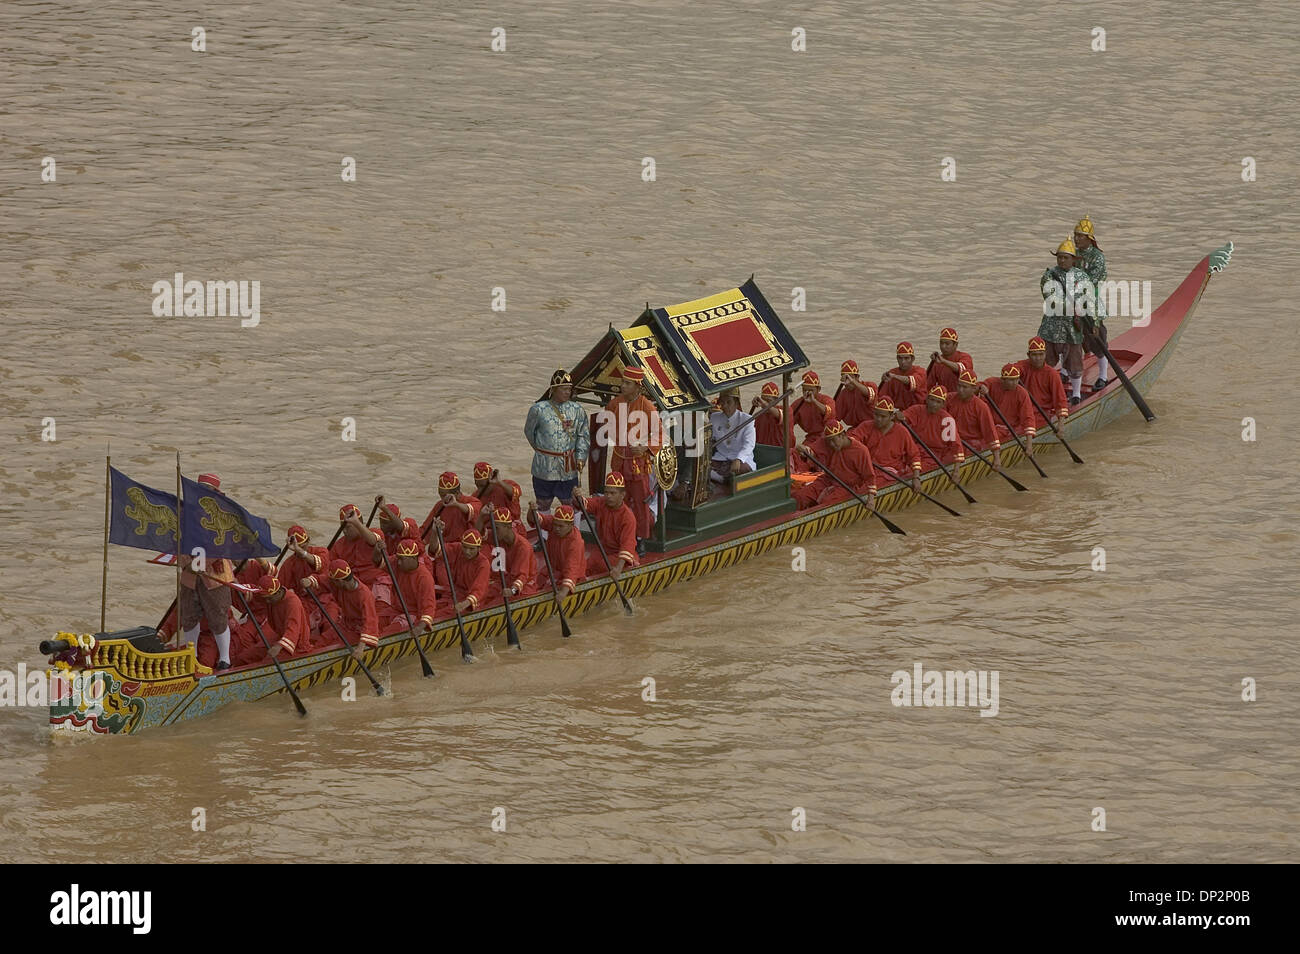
{"x":287,"y":622}
{"x":456,"y":521}
{"x":421,"y":598}
{"x":767,"y":429}
{"x":1045,"y":386}
{"x":852,"y":465}
{"x":930,"y":427}
{"x":250,"y":575}
{"x":356,"y":613}
{"x":936,"y":373}
{"x":904,"y":395}
{"x":853,"y":407}
{"x":974,"y":422}
{"x":568,"y":555}
{"x":521,"y":569}
{"x":469,"y":576}
{"x":496,"y":497}
{"x":295,"y":568}
{"x":391,"y":540}
{"x":811,"y":416}
{"x":360,"y":556}
{"x":635,"y":468}
{"x":617,"y":530}
{"x":893,"y":448}
{"x":1015,"y":407}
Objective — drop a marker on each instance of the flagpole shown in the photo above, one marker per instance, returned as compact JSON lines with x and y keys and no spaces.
{"x":179,"y":635}
{"x":108,"y":494}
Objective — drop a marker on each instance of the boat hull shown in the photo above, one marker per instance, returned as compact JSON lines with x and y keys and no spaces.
{"x":133,"y":697}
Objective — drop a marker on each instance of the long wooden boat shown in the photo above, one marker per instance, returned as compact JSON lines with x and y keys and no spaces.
{"x":121,"y":688}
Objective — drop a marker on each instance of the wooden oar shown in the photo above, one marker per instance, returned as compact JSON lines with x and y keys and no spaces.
{"x":998,"y":470}
{"x":934,"y":457}
{"x":302,"y":710}
{"x":512,"y":634}
{"x":465,"y":652}
{"x":555,"y":588}
{"x":595,"y":532}
{"x":892,"y":527}
{"x":379,"y":690}
{"x":1055,"y":430}
{"x":1012,"y":431}
{"x":425,"y":667}
{"x":1095,"y":344}
{"x":893,"y":476}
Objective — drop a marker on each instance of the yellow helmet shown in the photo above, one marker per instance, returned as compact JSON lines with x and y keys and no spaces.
{"x":1067,"y":247}
{"x":1084,"y":226}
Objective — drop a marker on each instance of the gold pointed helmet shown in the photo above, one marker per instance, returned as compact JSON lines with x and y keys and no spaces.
{"x":1084,"y":227}
{"x":1067,"y":247}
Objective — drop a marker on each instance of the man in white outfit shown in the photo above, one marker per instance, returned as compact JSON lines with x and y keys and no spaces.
{"x":734,"y":454}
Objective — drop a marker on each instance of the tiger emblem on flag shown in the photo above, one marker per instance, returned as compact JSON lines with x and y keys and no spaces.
{"x":145,"y":514}
{"x":221,"y":522}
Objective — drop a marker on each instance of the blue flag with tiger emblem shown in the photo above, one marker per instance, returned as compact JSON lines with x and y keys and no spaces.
{"x":140,"y":516}
{"x":211,"y":520}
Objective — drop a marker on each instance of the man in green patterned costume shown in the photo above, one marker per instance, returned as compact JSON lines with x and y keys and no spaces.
{"x":1068,"y":294}
{"x":1092,"y":261}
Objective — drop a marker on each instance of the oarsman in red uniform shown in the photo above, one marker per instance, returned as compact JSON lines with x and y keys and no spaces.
{"x":638,"y":435}
{"x":286,"y":627}
{"x":394,"y":530}
{"x":357,"y":615}
{"x":889,"y":444}
{"x":856,"y":397}
{"x":937,"y":428}
{"x":904,"y":385}
{"x":848,"y":460}
{"x":356,"y":547}
{"x":520,"y":567}
{"x":1043,"y":383}
{"x":456,"y":510}
{"x":302,"y":559}
{"x":615,"y":526}
{"x":812,"y":409}
{"x":470,"y":569}
{"x":767,"y":426}
{"x":1013,"y":401}
{"x":973,"y":416}
{"x":416,"y":585}
{"x":250,"y":575}
{"x":565,"y":546}
{"x":947,"y":364}
{"x":494,"y":492}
